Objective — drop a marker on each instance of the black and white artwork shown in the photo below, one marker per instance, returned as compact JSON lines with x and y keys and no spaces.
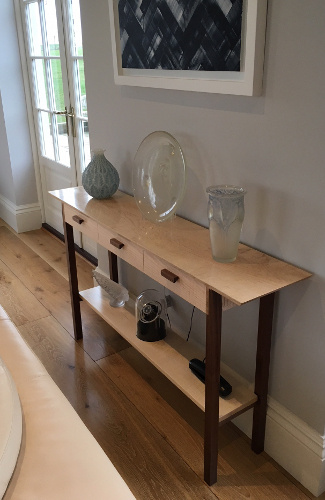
{"x":201,"y":35}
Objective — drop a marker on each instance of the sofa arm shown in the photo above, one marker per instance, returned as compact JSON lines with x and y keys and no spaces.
{"x":59,"y":457}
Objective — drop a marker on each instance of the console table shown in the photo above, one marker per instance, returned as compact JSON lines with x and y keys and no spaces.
{"x":177,"y":254}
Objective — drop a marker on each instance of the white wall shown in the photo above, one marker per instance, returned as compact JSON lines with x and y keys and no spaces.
{"x":17,"y":182}
{"x":7,"y":183}
{"x":273,"y":146}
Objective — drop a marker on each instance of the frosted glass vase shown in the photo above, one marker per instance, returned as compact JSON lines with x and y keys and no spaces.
{"x":226,"y":214}
{"x":100,"y":178}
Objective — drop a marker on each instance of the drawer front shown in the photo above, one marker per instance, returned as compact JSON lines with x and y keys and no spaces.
{"x":180,"y":283}
{"x":81,"y":222}
{"x":122,"y":247}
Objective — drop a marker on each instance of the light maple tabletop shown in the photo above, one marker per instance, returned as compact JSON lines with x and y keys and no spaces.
{"x":186,"y":246}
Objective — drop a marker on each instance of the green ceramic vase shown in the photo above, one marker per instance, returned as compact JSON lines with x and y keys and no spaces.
{"x":100,"y":178}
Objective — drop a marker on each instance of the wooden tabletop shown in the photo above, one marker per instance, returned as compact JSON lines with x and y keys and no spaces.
{"x":186,"y":246}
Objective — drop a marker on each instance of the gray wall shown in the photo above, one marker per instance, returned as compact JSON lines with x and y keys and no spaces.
{"x":17,"y":175}
{"x":6,"y":180}
{"x":273,"y":146}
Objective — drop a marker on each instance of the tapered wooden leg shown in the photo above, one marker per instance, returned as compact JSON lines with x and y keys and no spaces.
{"x":263,"y":352}
{"x":73,"y":281}
{"x":212,"y":384}
{"x":113,"y":270}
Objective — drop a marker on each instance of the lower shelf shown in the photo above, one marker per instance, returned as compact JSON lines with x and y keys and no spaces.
{"x":171,"y":357}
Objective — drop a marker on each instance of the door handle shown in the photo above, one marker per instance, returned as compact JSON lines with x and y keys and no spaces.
{"x":65,"y":112}
{"x":72,"y":116}
{"x":61,"y":112}
{"x":68,"y":114}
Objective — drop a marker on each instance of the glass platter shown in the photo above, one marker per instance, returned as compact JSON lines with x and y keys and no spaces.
{"x":159,"y":176}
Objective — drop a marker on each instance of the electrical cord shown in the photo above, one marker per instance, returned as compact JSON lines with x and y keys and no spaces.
{"x":190,"y":329}
{"x":167,"y":315}
{"x":169,"y":322}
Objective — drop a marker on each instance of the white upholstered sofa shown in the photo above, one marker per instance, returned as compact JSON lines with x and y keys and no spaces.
{"x":58,"y":457}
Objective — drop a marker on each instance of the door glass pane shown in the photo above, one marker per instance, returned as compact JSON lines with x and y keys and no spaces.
{"x":63,"y":144}
{"x":34,"y":29}
{"x":51,"y":28}
{"x":86,"y":145}
{"x":42,"y":96}
{"x":46,"y":134}
{"x":75,"y":24}
{"x":57,"y":84}
{"x":84,"y":112}
{"x":82,"y":88}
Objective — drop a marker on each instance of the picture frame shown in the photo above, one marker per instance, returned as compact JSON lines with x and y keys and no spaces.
{"x":248,"y":81}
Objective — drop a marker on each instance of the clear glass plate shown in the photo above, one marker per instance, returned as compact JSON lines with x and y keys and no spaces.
{"x":159,"y":176}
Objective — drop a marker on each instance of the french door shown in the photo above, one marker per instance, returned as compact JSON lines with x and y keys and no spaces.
{"x":54,"y":54}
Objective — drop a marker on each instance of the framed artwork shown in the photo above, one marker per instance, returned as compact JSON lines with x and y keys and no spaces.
{"x":214,"y":46}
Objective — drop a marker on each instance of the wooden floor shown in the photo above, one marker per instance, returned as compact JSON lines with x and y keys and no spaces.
{"x":150,"y":431}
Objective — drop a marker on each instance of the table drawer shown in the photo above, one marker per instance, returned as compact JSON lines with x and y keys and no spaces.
{"x":81,"y":222}
{"x":180,"y":283}
{"x":122,"y":247}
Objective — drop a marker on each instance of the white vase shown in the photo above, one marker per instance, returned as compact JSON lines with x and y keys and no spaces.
{"x":226,"y":214}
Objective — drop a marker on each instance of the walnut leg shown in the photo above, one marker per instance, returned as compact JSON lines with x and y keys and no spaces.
{"x":212,"y":384}
{"x":263,"y":352}
{"x":73,"y":280}
{"x":113,"y":270}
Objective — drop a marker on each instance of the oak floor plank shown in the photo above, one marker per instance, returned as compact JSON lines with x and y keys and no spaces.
{"x":153,"y":470}
{"x":52,"y":251}
{"x":52,"y":292}
{"x":189,"y":411}
{"x":99,"y":338}
{"x":242,"y":474}
{"x":31,"y":269}
{"x":21,"y":305}
{"x":18,"y":256}
{"x":167,"y":421}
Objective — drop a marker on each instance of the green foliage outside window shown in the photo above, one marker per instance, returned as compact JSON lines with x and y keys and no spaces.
{"x":57,"y":81}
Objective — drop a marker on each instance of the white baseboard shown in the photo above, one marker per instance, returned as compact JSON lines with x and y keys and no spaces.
{"x":21,"y":218}
{"x":294,"y":445}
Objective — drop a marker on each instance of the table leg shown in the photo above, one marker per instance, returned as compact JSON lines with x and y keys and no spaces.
{"x":73,"y":280}
{"x":263,"y":352}
{"x":212,"y":384}
{"x":113,"y":270}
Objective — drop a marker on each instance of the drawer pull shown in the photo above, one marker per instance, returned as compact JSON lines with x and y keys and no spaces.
{"x":169,"y":275}
{"x":77,"y":219}
{"x":116,"y":243}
